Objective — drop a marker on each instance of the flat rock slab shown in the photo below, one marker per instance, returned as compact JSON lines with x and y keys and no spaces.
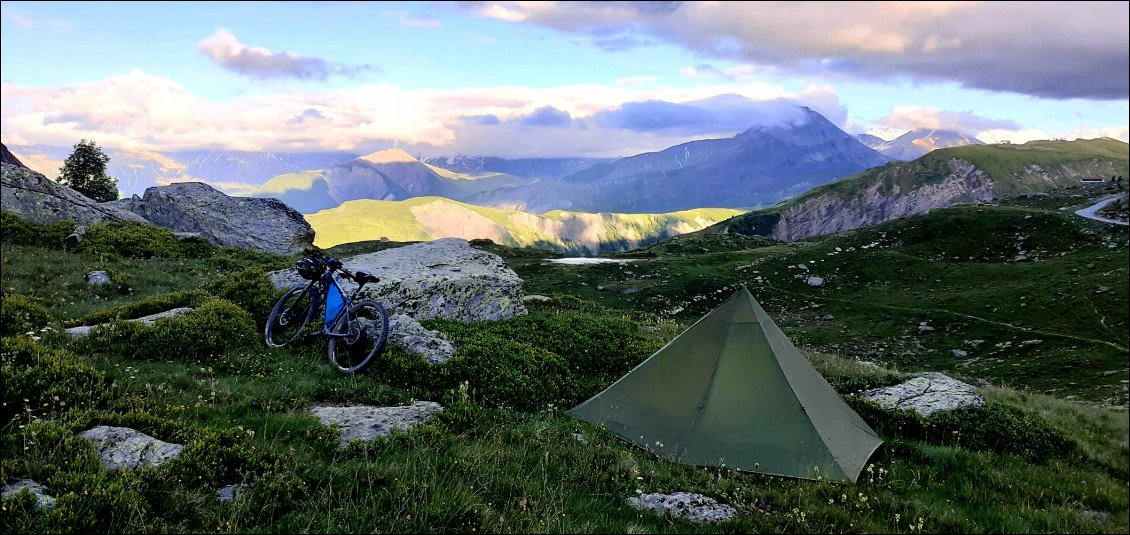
{"x":445,"y":278}
{"x":694,"y":507}
{"x":927,"y":393}
{"x":363,"y":422}
{"x":415,"y":338}
{"x":122,"y":447}
{"x":148,"y":320}
{"x":42,"y":499}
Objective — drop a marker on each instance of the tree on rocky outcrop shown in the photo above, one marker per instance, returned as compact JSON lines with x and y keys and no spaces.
{"x":85,"y":172}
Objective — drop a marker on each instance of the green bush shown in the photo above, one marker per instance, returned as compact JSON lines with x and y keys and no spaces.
{"x":18,"y":231}
{"x":50,"y":380}
{"x":506,"y":373}
{"x":139,"y":240}
{"x":992,"y":427}
{"x":206,"y":333}
{"x":143,"y":307}
{"x":233,"y":258}
{"x":20,"y":314}
{"x":251,"y":290}
{"x":215,"y":458}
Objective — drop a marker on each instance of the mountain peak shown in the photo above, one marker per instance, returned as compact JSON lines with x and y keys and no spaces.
{"x":393,"y":155}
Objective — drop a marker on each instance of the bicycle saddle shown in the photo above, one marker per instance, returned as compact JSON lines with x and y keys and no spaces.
{"x":364,"y":278}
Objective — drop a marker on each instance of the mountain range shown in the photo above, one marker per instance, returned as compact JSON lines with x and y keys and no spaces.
{"x":917,"y":143}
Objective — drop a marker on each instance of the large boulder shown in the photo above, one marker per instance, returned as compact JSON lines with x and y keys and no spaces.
{"x":34,"y":197}
{"x":267,"y":225}
{"x":445,"y":278}
{"x":927,"y":393}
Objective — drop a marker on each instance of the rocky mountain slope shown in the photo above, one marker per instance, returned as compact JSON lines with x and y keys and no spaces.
{"x":919,"y":142}
{"x":759,"y":166}
{"x":523,"y":167}
{"x":429,"y":218}
{"x":975,"y":173}
{"x":389,"y":175}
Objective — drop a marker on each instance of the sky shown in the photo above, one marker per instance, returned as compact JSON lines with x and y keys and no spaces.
{"x":550,"y":79}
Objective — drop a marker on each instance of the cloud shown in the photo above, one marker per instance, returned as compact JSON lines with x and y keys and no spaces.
{"x":1056,"y":50}
{"x":307,"y":114}
{"x":721,"y":115}
{"x":638,"y":80}
{"x":966,"y":122}
{"x":26,"y":21}
{"x":547,"y":116}
{"x":226,"y":51}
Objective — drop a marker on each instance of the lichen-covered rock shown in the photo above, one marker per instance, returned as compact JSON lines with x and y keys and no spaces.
{"x":267,"y":225}
{"x":42,"y":499}
{"x":694,"y":507}
{"x":927,"y":393}
{"x":98,"y":278}
{"x":34,"y":197}
{"x":415,"y":338}
{"x":148,"y":320}
{"x":122,"y":447}
{"x":445,"y":278}
{"x":362,"y":422}
{"x":229,"y":493}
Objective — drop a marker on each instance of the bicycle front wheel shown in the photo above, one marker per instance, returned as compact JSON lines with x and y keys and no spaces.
{"x":289,"y":317}
{"x":367,"y":333}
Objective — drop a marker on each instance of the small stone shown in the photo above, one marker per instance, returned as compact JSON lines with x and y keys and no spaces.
{"x":98,"y":278}
{"x":816,"y":281}
{"x":42,"y":499}
{"x":828,"y":317}
{"x":650,"y":328}
{"x":534,"y":297}
{"x":959,"y":353}
{"x":229,"y":493}
{"x":362,"y":422}
{"x":1102,"y":289}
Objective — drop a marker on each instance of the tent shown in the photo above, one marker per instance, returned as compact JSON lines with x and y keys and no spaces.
{"x":733,"y":391}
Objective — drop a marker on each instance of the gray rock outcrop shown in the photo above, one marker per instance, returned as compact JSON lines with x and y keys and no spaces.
{"x":229,"y":493}
{"x":362,"y":422}
{"x":415,"y":338}
{"x":148,"y":320}
{"x":98,"y":278}
{"x":694,"y":507}
{"x":445,"y":278}
{"x":42,"y":499}
{"x":34,"y":197}
{"x":266,"y":225}
{"x":927,"y":393}
{"x":122,"y":447}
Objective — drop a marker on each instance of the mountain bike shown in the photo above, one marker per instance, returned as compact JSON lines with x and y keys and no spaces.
{"x":357,"y":330}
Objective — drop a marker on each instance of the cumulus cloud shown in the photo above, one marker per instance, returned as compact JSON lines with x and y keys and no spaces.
{"x":256,"y":62}
{"x":1056,"y":50}
{"x":547,"y":116}
{"x":720,"y":115}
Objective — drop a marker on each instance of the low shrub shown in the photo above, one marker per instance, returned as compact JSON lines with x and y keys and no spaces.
{"x":139,"y":240}
{"x":235,"y":258}
{"x":992,"y":427}
{"x":205,"y":334}
{"x":41,"y":381}
{"x":15,"y":230}
{"x":506,"y":373}
{"x":250,"y":289}
{"x":215,"y":458}
{"x":143,"y":307}
{"x":20,"y":314}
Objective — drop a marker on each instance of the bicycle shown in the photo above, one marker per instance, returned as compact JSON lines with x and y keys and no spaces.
{"x":357,"y":330}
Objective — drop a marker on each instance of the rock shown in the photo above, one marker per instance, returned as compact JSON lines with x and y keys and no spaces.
{"x":694,"y":507}
{"x":1098,"y":516}
{"x":229,"y":493}
{"x":534,"y":297}
{"x":815,"y":281}
{"x":445,"y":278}
{"x":959,"y":353}
{"x":34,"y":197}
{"x":267,"y":225}
{"x":973,"y":343}
{"x":148,"y":320}
{"x":97,"y":278}
{"x":649,"y":328}
{"x":1102,"y":289}
{"x":629,"y":290}
{"x":42,"y":499}
{"x":76,"y":236}
{"x":802,"y":267}
{"x":415,"y":338}
{"x":828,"y":317}
{"x":927,"y":393}
{"x":362,"y":422}
{"x":122,"y":447}
{"x":923,"y":328}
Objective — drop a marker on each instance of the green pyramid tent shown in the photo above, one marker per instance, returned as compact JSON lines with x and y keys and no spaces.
{"x":733,"y":391}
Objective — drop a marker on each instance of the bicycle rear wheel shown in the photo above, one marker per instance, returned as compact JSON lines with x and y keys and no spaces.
{"x":367,"y":333}
{"x":289,"y":317}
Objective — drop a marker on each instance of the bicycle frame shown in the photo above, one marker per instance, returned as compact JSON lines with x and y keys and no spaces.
{"x":337,"y":303}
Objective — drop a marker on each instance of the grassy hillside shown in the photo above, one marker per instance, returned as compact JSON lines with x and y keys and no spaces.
{"x":503,"y":457}
{"x":1033,"y":167}
{"x":427,"y":218}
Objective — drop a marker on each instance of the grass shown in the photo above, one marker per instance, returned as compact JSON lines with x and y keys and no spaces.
{"x":481,"y":467}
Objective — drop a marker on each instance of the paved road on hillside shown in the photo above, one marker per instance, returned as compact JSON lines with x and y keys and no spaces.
{"x":1092,"y":211}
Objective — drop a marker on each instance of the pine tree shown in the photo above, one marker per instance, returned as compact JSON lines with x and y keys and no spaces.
{"x":85,"y":172}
